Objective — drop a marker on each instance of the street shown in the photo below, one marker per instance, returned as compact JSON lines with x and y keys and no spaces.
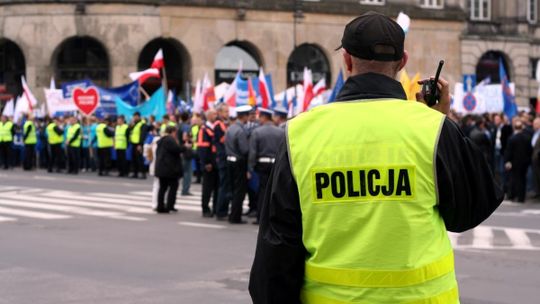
{"x":84,"y":239}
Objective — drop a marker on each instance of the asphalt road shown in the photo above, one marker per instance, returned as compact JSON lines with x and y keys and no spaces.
{"x":83,"y":239}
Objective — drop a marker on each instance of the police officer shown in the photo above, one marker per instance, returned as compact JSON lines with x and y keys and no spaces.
{"x":280,"y":116}
{"x":207,"y":157}
{"x":224,"y":187}
{"x":358,"y":211}
{"x":137,"y":135}
{"x":120,"y":145}
{"x":166,"y":123}
{"x":30,"y":141}
{"x":55,"y":138}
{"x":7,"y":131}
{"x":104,"y":134}
{"x":252,"y":124}
{"x":237,"y":147}
{"x":263,"y":145}
{"x":73,"y":143}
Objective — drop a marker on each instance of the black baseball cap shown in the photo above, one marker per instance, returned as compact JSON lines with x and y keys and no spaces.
{"x":374,"y":36}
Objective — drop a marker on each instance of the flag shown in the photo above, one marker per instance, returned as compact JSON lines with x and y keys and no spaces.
{"x":264,"y":90}
{"x":337,"y":87}
{"x":319,"y":87}
{"x":144,"y":75}
{"x":209,"y":96}
{"x":153,"y":106}
{"x":270,"y":87}
{"x":414,"y":87}
{"x":405,"y":82}
{"x":32,"y":101}
{"x":158,"y":62}
{"x":537,"y":75}
{"x":52,"y":85}
{"x":252,"y":97}
{"x":170,"y":103}
{"x":510,"y":107}
{"x":9,"y":108}
{"x":308,"y":88}
{"x":242,"y":91}
{"x":404,"y":21}
{"x":198,"y":98}
{"x":230,"y":95}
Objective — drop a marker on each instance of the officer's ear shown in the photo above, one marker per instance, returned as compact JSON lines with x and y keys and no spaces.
{"x":347,"y":60}
{"x":404,"y":60}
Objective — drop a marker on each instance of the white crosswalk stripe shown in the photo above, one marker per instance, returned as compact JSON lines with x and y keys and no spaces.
{"x":483,"y":238}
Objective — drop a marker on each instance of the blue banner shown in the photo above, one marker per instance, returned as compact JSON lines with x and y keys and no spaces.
{"x":128,"y":93}
{"x":241,"y":91}
{"x":270,"y":90}
{"x":153,"y":106}
{"x":67,"y":87}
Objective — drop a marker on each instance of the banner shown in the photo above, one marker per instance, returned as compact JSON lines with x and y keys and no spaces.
{"x":57,"y":103}
{"x":153,"y":106}
{"x":128,"y":93}
{"x":68,"y":87}
{"x":483,"y":99}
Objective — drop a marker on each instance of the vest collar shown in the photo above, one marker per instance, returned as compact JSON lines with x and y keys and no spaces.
{"x":371,"y":86}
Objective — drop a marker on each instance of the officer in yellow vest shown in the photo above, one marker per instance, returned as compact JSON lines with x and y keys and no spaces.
{"x":120,"y":145}
{"x":73,"y":143}
{"x":363,"y":190}
{"x":55,"y":137}
{"x":7,"y":131}
{"x":137,"y":135}
{"x":166,"y":123}
{"x":105,"y":142}
{"x":29,"y":140}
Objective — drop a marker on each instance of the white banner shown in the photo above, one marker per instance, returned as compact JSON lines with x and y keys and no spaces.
{"x":57,"y":103}
{"x":484,"y":99}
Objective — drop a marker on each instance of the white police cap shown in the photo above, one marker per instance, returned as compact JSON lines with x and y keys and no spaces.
{"x":243,"y":109}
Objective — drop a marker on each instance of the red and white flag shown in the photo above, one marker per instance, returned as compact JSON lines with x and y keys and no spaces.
{"x":144,"y":75}
{"x":319,"y":87}
{"x":198,"y":98}
{"x":158,"y":62}
{"x":263,"y":90}
{"x":308,"y":88}
{"x":30,"y":98}
{"x":209,"y":96}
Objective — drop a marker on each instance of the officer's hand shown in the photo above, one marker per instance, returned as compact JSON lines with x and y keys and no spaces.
{"x":208,"y":167}
{"x":248,"y":175}
{"x":443,"y":105}
{"x":508,"y":166}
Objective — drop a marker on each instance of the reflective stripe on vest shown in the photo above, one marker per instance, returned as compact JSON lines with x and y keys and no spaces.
{"x":31,"y":139}
{"x":5,"y":131}
{"x":367,"y":190}
{"x":71,"y":132}
{"x":103,"y":141}
{"x":53,"y":137}
{"x":135,"y":135}
{"x":120,"y":138}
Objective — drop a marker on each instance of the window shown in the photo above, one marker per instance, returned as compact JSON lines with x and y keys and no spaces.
{"x":372,"y":2}
{"x":481,"y":10}
{"x":432,"y":3}
{"x":532,"y":11}
{"x":533,"y":64}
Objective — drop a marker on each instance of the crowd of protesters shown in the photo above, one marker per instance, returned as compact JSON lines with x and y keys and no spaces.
{"x":511,"y":146}
{"x":212,"y":147}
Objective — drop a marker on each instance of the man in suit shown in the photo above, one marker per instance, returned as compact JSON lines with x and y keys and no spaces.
{"x":482,"y":138}
{"x":536,"y":156}
{"x":517,"y":159}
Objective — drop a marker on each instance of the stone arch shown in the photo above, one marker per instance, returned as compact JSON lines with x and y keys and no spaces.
{"x":488,"y":66}
{"x":82,"y":57}
{"x":12,"y":66}
{"x":177,"y":64}
{"x":232,"y":55}
{"x":312,"y":56}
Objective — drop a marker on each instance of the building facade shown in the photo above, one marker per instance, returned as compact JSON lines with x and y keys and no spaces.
{"x":106,"y":40}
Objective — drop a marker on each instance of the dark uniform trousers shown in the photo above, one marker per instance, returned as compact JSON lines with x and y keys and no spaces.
{"x":209,"y":189}
{"x":56,"y":157}
{"x":169,"y":185}
{"x":121,"y":162}
{"x":238,"y":171}
{"x":263,"y":171}
{"x":224,"y":196}
{"x":104,"y":159}
{"x":518,"y":182}
{"x":29,"y":156}
{"x":74,"y":159}
{"x":138,"y":160}
{"x":5,"y":154}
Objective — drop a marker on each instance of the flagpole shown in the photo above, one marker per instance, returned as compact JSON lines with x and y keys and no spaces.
{"x":143,"y":91}
{"x":164,"y":82}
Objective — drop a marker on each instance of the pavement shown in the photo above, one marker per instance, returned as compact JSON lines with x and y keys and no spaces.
{"x":84,"y":239}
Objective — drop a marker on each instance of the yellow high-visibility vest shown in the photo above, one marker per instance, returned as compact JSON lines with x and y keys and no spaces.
{"x":53,"y":138}
{"x":368,"y":196}
{"x":71,"y":131}
{"x":5,"y":131}
{"x":135,"y":135}
{"x":120,"y":137}
{"x":31,"y":139}
{"x":103,"y":141}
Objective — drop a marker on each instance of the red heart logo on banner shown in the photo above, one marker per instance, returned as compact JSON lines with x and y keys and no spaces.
{"x":87,"y":100}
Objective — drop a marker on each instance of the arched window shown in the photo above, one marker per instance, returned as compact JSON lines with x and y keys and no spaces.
{"x":488,"y":66}
{"x":177,"y":64}
{"x":231,"y":56}
{"x":12,"y":66}
{"x":312,"y":57}
{"x":82,"y":57}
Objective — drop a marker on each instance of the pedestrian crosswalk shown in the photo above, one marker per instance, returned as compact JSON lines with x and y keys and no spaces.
{"x":20,"y":203}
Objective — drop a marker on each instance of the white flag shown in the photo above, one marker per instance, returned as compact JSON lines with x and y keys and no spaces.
{"x":9,"y":108}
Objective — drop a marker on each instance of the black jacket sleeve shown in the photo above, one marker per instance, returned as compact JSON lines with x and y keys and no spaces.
{"x":75,"y":136}
{"x":28,"y":130}
{"x":58,"y":130}
{"x":277,"y":274}
{"x":467,"y":191}
{"x":144,"y":133}
{"x":109,"y":132}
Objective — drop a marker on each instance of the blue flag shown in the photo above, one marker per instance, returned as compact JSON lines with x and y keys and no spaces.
{"x":337,"y":87}
{"x":153,"y":106}
{"x":510,"y":107}
{"x":270,"y":90}
{"x":241,"y":91}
